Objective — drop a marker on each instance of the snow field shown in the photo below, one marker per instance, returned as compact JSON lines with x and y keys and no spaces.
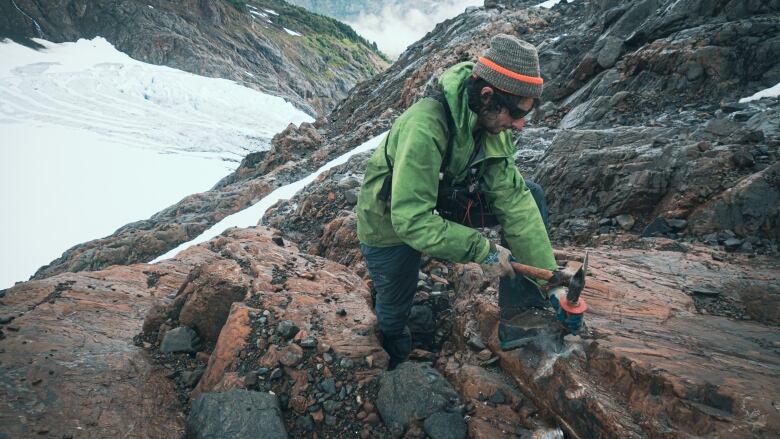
{"x":771,"y":92}
{"x":91,"y":140}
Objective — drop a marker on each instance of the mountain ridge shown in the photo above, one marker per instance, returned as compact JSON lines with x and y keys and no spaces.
{"x":314,"y":70}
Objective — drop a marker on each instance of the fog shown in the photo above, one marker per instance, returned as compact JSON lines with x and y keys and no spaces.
{"x":398,"y":26}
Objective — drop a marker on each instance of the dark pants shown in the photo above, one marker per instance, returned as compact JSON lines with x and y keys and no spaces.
{"x":394,"y":272}
{"x":520,"y":293}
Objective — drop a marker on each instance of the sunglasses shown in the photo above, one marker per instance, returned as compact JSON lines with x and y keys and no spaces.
{"x":519,"y":113}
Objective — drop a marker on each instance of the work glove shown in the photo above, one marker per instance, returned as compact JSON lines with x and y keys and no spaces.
{"x":497,"y":263}
{"x":572,"y":322}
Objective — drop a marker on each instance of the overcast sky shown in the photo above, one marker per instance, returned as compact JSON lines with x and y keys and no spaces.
{"x":399,"y":26}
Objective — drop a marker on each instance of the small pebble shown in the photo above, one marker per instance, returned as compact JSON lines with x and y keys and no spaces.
{"x":308,"y":342}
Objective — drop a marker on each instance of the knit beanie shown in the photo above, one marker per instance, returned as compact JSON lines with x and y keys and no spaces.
{"x":511,"y":65}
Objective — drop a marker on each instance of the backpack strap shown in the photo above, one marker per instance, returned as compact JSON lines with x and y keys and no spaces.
{"x":384,"y":192}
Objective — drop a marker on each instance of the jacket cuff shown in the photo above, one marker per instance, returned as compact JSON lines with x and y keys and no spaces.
{"x":483,"y":251}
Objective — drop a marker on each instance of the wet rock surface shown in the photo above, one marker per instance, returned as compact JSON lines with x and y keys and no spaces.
{"x":413,"y":392}
{"x":237,"y":414}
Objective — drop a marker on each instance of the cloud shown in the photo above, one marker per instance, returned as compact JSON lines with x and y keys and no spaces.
{"x":399,"y":25}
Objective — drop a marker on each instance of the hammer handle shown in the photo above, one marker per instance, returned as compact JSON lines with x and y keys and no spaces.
{"x":536,"y":273}
{"x":540,"y":273}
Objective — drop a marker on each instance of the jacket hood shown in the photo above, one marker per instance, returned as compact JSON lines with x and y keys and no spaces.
{"x":453,"y":84}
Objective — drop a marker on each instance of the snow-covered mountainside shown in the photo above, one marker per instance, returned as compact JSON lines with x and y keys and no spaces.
{"x":309,"y":59}
{"x":93,"y":139}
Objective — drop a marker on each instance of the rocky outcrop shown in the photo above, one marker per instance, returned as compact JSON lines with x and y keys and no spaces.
{"x":653,"y":360}
{"x":238,"y":312}
{"x":661,"y":170}
{"x":237,"y":414}
{"x":240,"y":41}
{"x":712,"y":181}
{"x":321,"y":218}
{"x":273,"y":319}
{"x":68,"y":366}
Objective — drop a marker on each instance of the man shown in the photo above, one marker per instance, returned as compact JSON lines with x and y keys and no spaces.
{"x":447,"y":165}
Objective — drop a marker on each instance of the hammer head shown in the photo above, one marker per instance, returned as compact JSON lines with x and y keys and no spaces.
{"x":573,"y":304}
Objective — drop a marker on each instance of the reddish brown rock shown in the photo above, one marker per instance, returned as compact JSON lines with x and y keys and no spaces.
{"x":207,"y":296}
{"x":304,"y":289}
{"x":338,"y":243}
{"x":478,"y":384}
{"x":232,"y":339}
{"x":649,"y":363}
{"x":299,"y":404}
{"x":72,"y":370}
{"x":497,"y":422}
{"x":301,"y":379}
{"x":291,"y":355}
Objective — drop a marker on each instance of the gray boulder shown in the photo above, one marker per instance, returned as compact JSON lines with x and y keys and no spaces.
{"x":610,"y":51}
{"x":722,"y":127}
{"x":181,"y":339}
{"x":236,"y":414}
{"x":412,"y":392}
{"x":445,"y":426}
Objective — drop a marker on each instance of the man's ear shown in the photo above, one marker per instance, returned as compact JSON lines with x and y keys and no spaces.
{"x":486,"y":94}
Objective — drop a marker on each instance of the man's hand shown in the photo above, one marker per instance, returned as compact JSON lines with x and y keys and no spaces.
{"x":560,"y":277}
{"x":572,"y":322}
{"x":497,"y":263}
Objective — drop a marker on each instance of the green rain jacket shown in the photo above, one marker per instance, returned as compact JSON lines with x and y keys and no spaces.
{"x":416,"y":145}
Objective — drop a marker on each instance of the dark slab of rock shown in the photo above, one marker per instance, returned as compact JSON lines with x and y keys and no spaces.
{"x":238,"y":414}
{"x":181,"y":339}
{"x":625,"y":171}
{"x":287,"y":329}
{"x":749,"y":208}
{"x":412,"y":392}
{"x":658,"y":227}
{"x":444,"y":425}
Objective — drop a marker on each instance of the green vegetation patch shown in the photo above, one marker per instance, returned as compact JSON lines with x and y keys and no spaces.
{"x":339,"y":54}
{"x":307,"y":23}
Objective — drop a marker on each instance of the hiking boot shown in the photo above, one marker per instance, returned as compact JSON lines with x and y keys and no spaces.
{"x":524,"y":327}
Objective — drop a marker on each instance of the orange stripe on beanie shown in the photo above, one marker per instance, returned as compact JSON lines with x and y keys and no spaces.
{"x":506,"y":72}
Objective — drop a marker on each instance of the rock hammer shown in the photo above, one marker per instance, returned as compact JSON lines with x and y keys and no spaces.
{"x":572,"y":303}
